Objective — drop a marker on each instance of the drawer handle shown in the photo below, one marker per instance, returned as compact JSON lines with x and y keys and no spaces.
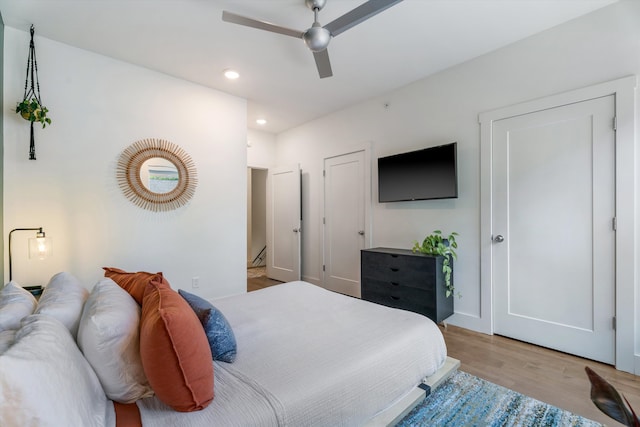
{"x":394,"y":256}
{"x":395,"y":284}
{"x":394,"y":269}
{"x":394,"y":298}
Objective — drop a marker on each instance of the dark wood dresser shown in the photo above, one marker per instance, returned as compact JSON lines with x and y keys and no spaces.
{"x":402,"y":279}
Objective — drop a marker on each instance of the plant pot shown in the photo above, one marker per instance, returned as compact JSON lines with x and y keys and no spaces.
{"x":27,"y":115}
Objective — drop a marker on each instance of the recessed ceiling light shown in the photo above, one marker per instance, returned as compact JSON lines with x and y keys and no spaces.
{"x":261,"y":121}
{"x":231,"y":74}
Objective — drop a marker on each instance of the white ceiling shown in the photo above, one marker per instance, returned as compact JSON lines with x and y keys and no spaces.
{"x":187,"y":39}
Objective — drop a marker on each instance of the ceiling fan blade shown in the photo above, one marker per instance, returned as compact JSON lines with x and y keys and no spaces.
{"x":323,"y":64}
{"x":261,"y":25}
{"x":358,"y":15}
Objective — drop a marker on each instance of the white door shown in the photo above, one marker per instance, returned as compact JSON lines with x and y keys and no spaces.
{"x":553,"y":212}
{"x":344,"y":219}
{"x":283,"y":224}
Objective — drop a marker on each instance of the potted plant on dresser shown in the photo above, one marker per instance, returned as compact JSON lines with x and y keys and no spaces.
{"x":436,"y":244}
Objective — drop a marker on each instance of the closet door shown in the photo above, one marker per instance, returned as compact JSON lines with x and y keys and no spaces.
{"x":344,"y":221}
{"x":553,"y":222}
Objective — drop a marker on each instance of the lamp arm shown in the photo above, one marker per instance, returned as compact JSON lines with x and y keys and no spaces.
{"x":38,"y":229}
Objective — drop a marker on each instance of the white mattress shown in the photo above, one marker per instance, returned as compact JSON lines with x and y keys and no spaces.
{"x":308,"y":356}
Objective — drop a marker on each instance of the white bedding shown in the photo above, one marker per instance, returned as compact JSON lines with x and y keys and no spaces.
{"x":308,"y":356}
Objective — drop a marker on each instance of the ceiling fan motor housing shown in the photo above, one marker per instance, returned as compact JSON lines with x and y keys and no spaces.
{"x":317,"y":38}
{"x":315,"y":4}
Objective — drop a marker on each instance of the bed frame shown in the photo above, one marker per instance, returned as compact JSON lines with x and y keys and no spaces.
{"x":400,"y":409}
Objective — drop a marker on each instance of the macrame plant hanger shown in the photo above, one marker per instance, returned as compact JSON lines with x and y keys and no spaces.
{"x":32,"y":88}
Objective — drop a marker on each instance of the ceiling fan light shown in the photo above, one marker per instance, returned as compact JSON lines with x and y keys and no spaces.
{"x":261,"y":122}
{"x":317,"y":38}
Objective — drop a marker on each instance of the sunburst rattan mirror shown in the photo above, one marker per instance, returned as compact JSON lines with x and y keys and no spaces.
{"x":170,"y":176}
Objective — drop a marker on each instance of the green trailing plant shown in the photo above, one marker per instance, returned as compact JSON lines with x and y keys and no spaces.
{"x":437,"y":244}
{"x":608,"y":400}
{"x":31,"y":110}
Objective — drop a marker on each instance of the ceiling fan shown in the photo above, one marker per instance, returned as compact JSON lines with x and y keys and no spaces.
{"x":317,"y":37}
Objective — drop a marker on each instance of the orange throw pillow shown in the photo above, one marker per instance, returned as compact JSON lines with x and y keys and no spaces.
{"x":134,"y":283}
{"x":175,"y":353}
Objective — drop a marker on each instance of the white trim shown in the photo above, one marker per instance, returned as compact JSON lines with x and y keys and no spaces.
{"x":626,"y":210}
{"x":627,"y":224}
{"x":313,"y":280}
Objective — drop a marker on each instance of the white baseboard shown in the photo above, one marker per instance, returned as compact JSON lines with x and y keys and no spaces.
{"x":470,"y":321}
{"x":314,"y":280}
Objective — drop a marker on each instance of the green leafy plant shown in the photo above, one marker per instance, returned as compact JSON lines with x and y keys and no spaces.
{"x":31,"y":110}
{"x":437,"y":244}
{"x":608,"y":400}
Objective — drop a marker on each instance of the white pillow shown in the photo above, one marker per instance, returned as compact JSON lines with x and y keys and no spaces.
{"x":15,"y":304}
{"x":45,"y":380}
{"x":63,"y":298}
{"x":109,"y":337}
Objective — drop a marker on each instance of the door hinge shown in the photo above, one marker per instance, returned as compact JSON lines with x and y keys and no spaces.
{"x":323,"y":267}
{"x":613,"y":323}
{"x":323,"y":221}
{"x":614,"y":223}
{"x":615,"y":123}
{"x":324,"y":173}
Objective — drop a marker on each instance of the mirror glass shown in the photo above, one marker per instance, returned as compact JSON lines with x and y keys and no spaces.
{"x":159,"y":175}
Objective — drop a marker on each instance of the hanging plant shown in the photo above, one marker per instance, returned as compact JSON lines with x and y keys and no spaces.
{"x":31,"y":108}
{"x":436,"y":244}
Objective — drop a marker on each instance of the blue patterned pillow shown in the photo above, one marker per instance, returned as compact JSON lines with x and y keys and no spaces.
{"x":219,"y":333}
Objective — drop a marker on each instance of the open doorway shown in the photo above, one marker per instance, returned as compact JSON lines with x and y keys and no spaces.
{"x":257,"y":230}
{"x":256,"y":218}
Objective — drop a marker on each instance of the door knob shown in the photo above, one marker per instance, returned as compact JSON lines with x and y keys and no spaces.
{"x":295,"y":230}
{"x":499,"y":238}
{"x":361,"y":232}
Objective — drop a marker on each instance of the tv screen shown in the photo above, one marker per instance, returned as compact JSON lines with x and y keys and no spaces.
{"x":425,"y":174}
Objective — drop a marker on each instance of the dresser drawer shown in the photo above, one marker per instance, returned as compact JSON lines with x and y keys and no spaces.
{"x":404,"y":298}
{"x":402,"y":270}
{"x":399,"y":281}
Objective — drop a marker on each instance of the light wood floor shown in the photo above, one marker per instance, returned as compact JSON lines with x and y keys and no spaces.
{"x":255,"y":283}
{"x":547,"y":375}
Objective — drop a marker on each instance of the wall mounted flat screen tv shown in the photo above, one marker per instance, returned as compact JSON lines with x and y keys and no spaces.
{"x":430,"y":173}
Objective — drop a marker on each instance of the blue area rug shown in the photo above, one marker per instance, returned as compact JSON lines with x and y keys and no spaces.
{"x":466,"y":400}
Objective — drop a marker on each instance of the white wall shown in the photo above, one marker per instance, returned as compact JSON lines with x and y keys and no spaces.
{"x":598,"y":47}
{"x":99,"y":106}
{"x":261,"y":149}
{"x":261,"y":155}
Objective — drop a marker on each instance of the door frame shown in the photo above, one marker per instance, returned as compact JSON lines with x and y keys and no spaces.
{"x":625,"y":193}
{"x":368,"y":223}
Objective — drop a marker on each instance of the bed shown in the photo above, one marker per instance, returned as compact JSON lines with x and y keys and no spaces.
{"x":305,"y":356}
